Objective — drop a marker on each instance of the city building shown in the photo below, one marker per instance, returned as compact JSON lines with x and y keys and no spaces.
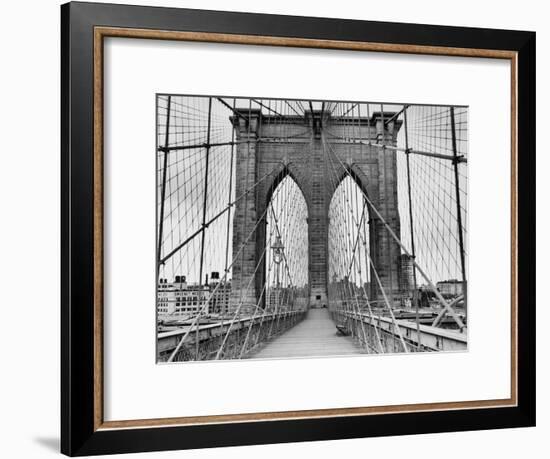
{"x":220,"y":294}
{"x":178,"y":299}
{"x":406,"y":274}
{"x":279,"y":298}
{"x":275,"y":298}
{"x":451,"y":287}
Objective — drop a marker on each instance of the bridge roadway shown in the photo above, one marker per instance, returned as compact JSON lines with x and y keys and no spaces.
{"x":316,"y":335}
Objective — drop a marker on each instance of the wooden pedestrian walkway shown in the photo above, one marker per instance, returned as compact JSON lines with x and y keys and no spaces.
{"x":315,"y":336}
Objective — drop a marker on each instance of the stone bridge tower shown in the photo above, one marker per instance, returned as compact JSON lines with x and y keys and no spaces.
{"x":317,"y":151}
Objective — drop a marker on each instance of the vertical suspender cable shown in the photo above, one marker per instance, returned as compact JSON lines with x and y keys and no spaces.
{"x":411,"y":224}
{"x":459,"y":212}
{"x":163,"y":192}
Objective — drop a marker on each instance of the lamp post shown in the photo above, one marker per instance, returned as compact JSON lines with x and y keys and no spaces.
{"x":278,"y":248}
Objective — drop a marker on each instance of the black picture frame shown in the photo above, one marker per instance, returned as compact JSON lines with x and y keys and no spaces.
{"x":79,"y":432}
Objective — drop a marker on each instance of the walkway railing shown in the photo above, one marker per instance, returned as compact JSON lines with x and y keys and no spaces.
{"x":224,"y":340}
{"x":381,"y":335}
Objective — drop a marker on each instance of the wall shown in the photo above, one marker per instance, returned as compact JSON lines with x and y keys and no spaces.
{"x":29,"y":246}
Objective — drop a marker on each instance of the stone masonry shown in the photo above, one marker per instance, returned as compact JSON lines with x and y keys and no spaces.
{"x":271,"y":147}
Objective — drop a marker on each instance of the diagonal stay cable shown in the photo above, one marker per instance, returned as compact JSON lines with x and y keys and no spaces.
{"x":233,"y":261}
{"x":420,"y":270}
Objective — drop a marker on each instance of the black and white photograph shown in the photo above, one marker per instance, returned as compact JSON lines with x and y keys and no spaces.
{"x":265,"y":230}
{"x":292,"y":228}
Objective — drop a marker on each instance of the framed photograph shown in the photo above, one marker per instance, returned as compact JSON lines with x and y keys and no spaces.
{"x":280,"y":229}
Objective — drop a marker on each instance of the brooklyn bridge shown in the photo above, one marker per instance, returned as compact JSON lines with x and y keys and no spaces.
{"x":293,"y":228}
